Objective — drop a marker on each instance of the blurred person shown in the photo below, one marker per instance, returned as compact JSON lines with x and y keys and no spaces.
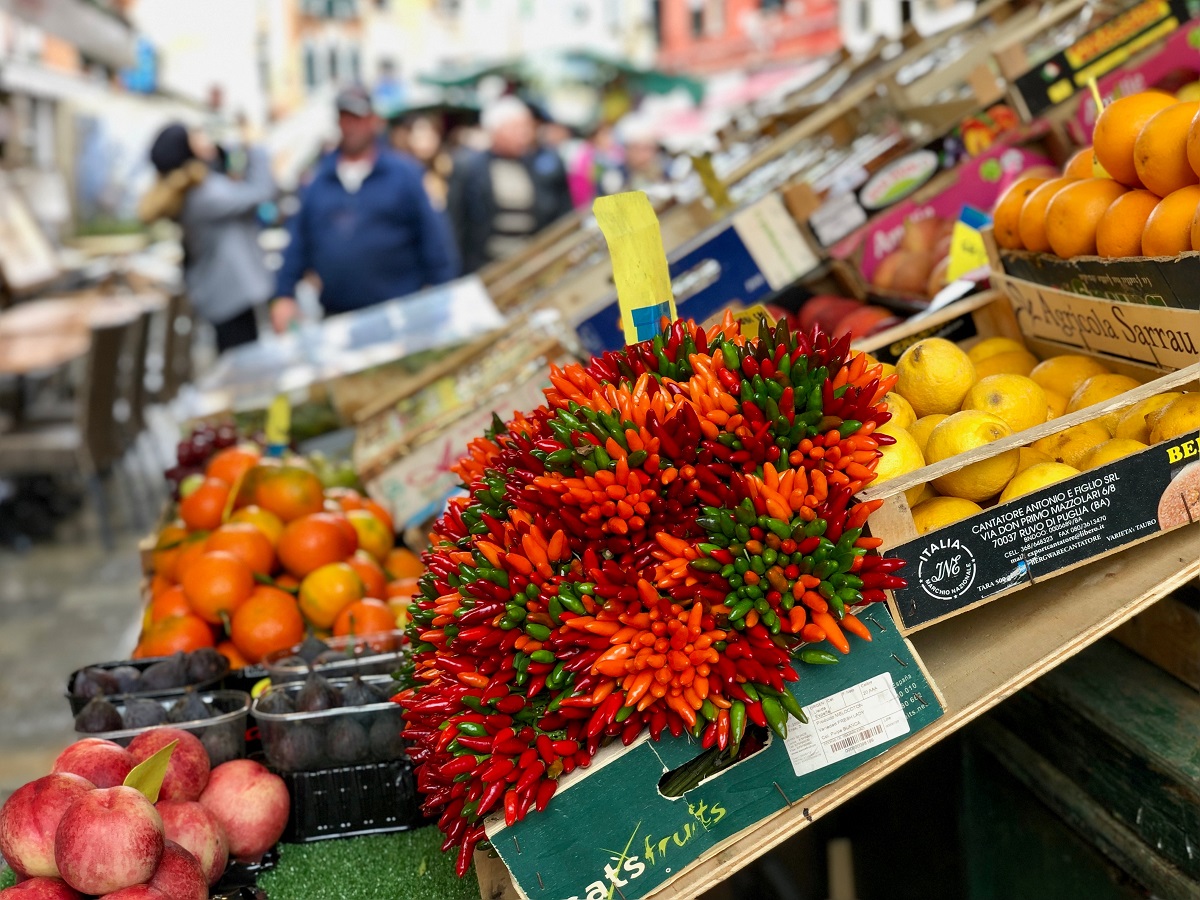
{"x":365,"y":224}
{"x":223,"y":265}
{"x":598,"y":168}
{"x":645,"y":163}
{"x":500,"y":197}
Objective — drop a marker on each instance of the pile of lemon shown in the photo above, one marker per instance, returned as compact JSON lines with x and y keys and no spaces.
{"x":948,"y":401}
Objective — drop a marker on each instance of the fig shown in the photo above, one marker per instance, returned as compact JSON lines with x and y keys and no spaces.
{"x":223,"y":743}
{"x":317,"y":694}
{"x":165,"y":675}
{"x":347,"y":742}
{"x":311,"y":648}
{"x":188,"y":708}
{"x":93,"y":682}
{"x":205,"y":664}
{"x":360,"y":693}
{"x":384,"y":736}
{"x":297,"y":748}
{"x":98,"y":716}
{"x":143,"y":714}
{"x":276,"y":703}
{"x":330,"y":656}
{"x":128,"y":678}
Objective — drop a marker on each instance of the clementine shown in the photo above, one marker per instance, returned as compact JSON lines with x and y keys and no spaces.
{"x":1160,"y":152}
{"x":1032,"y":224}
{"x":328,"y":590}
{"x":174,"y":634}
{"x":1074,"y":213}
{"x":192,"y":548}
{"x":166,"y":548}
{"x":266,"y":522}
{"x":217,"y":584}
{"x":290,"y":492}
{"x":1117,"y":129}
{"x":313,"y":541}
{"x":245,"y":542}
{"x":268,"y":621}
{"x":204,"y":507}
{"x":231,"y":653}
{"x":1006,"y":217}
{"x":1080,"y":165}
{"x":403,"y":563}
{"x":1120,"y":230}
{"x":377,"y":510}
{"x":369,"y":616}
{"x":403,"y":589}
{"x":373,"y":535}
{"x":1168,"y":230}
{"x":232,"y":463}
{"x":373,"y":577}
{"x":172,"y":602}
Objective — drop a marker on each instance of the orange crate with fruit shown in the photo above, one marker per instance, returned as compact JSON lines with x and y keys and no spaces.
{"x":1008,"y":466}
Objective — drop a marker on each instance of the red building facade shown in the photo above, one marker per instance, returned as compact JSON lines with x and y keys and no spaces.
{"x":716,"y":35}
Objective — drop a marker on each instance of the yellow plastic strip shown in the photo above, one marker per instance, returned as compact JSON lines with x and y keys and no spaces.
{"x":639,"y":262}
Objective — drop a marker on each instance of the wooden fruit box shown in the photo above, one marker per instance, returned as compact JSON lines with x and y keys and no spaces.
{"x":1012,"y":545}
{"x":1168,"y":634}
{"x":623,"y":837}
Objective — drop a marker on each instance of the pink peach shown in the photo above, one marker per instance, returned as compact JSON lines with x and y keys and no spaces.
{"x":41,"y":889}
{"x":251,"y":804}
{"x":188,"y":768}
{"x":178,"y":875}
{"x":29,"y":820}
{"x":196,"y":830}
{"x":137,"y":892}
{"x":109,"y":839}
{"x":101,"y":762}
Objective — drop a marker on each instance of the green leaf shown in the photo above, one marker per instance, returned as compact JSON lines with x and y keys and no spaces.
{"x":147,"y":776}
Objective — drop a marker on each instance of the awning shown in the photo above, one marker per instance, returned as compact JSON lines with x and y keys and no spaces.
{"x":97,"y":33}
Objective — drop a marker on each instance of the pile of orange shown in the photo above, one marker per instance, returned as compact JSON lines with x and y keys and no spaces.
{"x":262,"y":554}
{"x":1134,"y":192}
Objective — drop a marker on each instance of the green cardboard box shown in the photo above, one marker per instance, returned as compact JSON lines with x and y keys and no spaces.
{"x":609,"y":832}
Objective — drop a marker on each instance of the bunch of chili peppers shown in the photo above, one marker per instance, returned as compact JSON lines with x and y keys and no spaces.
{"x":652,"y":550}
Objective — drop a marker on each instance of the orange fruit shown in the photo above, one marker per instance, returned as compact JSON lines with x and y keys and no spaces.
{"x":1196,"y":230}
{"x":348,"y":530}
{"x":290,"y":492}
{"x":203,"y":508}
{"x":1080,"y":165}
{"x":345,"y":498}
{"x":368,"y":616}
{"x":1032,"y":222}
{"x":172,"y":602}
{"x":1168,"y":230}
{"x":1117,"y":129}
{"x":1160,"y":152}
{"x":232,"y":463}
{"x":1006,"y":217}
{"x":286,"y":581}
{"x":403,"y":563}
{"x":1120,"y":230}
{"x":371,"y":573}
{"x":167,"y":545}
{"x":174,"y":634}
{"x":245,"y":542}
{"x":158,"y":584}
{"x":1193,"y":144}
{"x":231,"y":653}
{"x":268,"y":621}
{"x":328,"y":590}
{"x":217,"y":584}
{"x":313,"y":541}
{"x":1074,"y":213}
{"x":373,"y":535}
{"x":192,"y":548}
{"x":266,"y":522}
{"x":404,"y":588}
{"x":377,"y":510}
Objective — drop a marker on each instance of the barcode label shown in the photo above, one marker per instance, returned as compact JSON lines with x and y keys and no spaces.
{"x":846,"y":723}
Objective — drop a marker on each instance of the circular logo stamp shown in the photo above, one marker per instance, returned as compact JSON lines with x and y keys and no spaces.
{"x":946,"y":569}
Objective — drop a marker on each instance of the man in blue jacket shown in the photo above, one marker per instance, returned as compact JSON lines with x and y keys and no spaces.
{"x":365,"y":224}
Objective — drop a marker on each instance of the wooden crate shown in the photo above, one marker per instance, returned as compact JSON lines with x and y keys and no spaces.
{"x":1010,"y":546}
{"x":1168,"y":634}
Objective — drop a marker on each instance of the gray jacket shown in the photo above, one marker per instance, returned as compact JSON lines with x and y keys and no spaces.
{"x":224,"y":268}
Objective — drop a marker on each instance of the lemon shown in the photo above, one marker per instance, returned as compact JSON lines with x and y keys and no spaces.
{"x":1056,"y":404}
{"x":1031,"y":457}
{"x":888,"y":368}
{"x":938,"y":512}
{"x":992,"y":346}
{"x":965,"y":431}
{"x":1072,"y":445}
{"x":927,"y":493}
{"x":1035,"y":478}
{"x":1018,"y":400}
{"x":1066,"y":373}
{"x":935,"y":375}
{"x":1135,"y":421}
{"x":1099,"y":388}
{"x":1110,"y":450}
{"x":1010,"y":362}
{"x":901,"y":410}
{"x":1180,"y":416}
{"x":898,"y":459}
{"x":923,"y":427}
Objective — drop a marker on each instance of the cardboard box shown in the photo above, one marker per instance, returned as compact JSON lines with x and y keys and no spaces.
{"x":609,"y":828}
{"x":1152,"y":281}
{"x":1044,"y":533}
{"x":755,"y":252}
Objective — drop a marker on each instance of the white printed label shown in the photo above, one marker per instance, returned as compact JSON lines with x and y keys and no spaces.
{"x":837,"y":217}
{"x":846,"y":723}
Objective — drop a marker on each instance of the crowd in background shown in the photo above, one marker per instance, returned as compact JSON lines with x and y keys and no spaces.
{"x":392,"y":208}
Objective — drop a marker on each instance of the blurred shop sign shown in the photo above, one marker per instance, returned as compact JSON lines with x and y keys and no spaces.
{"x":98,"y":34}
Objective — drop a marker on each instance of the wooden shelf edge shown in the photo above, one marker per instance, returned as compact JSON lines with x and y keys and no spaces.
{"x":978,"y":660}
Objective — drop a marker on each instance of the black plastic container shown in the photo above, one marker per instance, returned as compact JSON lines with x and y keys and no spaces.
{"x":372,"y":798}
{"x":78,"y":703}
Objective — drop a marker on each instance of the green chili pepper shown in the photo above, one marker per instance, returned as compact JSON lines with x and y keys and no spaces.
{"x":776,"y":717}
{"x":815,"y":656}
{"x":737,"y":722}
{"x":472,"y":729}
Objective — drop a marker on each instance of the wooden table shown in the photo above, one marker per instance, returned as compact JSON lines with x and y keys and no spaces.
{"x":45,"y":334}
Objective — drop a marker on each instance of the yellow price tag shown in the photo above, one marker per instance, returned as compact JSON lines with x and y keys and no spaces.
{"x":967,"y":251}
{"x":639,"y":263}
{"x":279,"y":425}
{"x":751,"y":317}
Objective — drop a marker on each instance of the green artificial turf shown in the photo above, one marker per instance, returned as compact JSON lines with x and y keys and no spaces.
{"x":409,"y":864}
{"x":8,"y":879}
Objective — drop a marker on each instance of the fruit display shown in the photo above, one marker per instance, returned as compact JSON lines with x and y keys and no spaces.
{"x":379,"y":653}
{"x":195,"y":449}
{"x":264,"y":553}
{"x":655,"y":549}
{"x":325,"y":723}
{"x":918,"y":265}
{"x":216,"y":718}
{"x":949,"y":401}
{"x":143,"y":678}
{"x":166,"y":835}
{"x":1134,"y":192}
{"x":842,"y":315}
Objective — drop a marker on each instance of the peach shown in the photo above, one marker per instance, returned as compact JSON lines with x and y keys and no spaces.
{"x":41,"y":889}
{"x":101,"y":762}
{"x":193,"y":827}
{"x":109,"y":839}
{"x":178,"y":875}
{"x":187,"y":771}
{"x":250,"y":803}
{"x":136,"y":892}
{"x":824,"y":310}
{"x":29,"y":820}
